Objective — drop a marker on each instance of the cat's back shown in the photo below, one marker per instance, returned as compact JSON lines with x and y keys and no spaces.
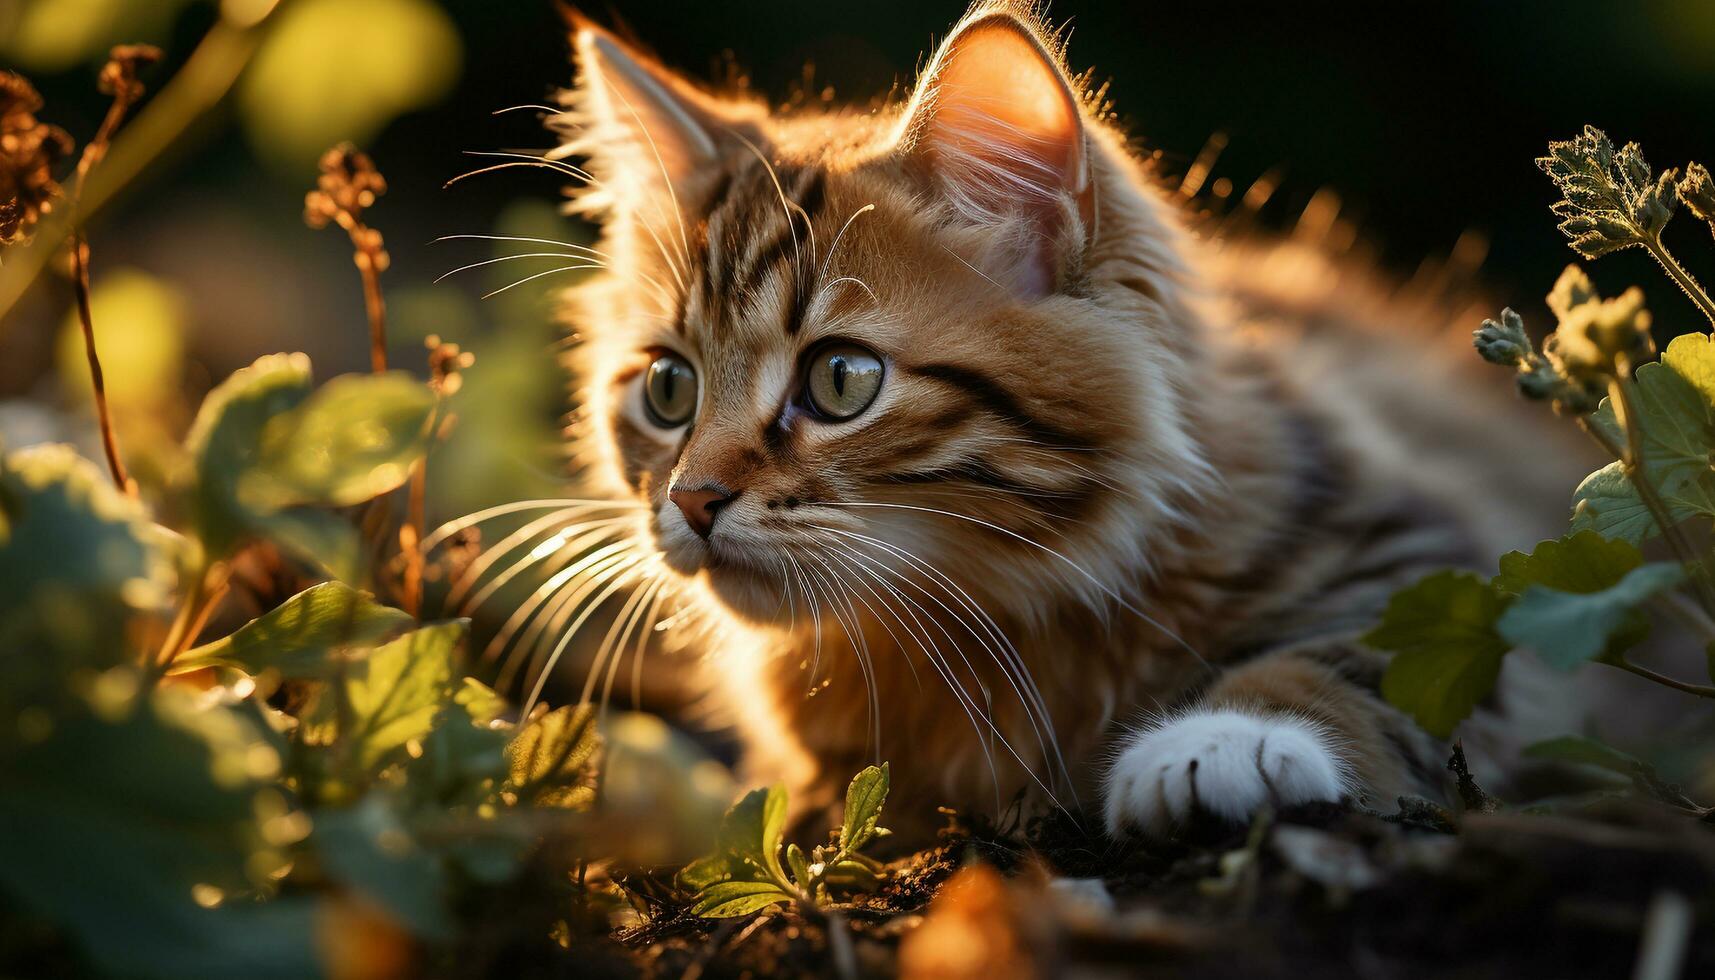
{"x":1391,"y":370}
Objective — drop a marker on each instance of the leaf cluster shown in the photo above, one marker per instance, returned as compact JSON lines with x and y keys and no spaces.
{"x":1572,"y":600}
{"x":745,"y":873}
{"x":187,"y":814}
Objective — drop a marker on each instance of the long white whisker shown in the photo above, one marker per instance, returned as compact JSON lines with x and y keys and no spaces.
{"x":835,"y":247}
{"x":1081,"y":570}
{"x":508,"y":258}
{"x":564,"y":268}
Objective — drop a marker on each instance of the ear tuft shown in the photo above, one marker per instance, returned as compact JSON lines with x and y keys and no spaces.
{"x":998,"y":123}
{"x":644,"y":130}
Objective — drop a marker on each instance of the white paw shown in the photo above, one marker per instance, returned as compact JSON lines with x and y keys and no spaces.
{"x":1223,"y":762}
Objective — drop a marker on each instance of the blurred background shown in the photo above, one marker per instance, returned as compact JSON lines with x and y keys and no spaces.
{"x":1423,"y":121}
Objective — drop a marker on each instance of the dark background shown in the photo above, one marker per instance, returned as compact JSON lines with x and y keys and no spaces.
{"x":1424,"y":118}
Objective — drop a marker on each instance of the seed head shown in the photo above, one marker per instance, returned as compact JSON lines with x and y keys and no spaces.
{"x":29,"y":150}
{"x":119,"y":76}
{"x":447,"y":362}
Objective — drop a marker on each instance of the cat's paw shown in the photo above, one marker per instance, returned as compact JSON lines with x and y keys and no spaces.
{"x":1223,"y":763}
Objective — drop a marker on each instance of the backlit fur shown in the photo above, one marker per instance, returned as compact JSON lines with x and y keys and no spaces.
{"x":1187,"y":474}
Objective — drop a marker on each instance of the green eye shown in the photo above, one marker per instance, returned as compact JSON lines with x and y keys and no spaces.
{"x":670,"y":391}
{"x":844,"y":379}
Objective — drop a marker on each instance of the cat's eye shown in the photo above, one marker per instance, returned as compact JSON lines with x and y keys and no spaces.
{"x":670,"y":391}
{"x":842,"y":380}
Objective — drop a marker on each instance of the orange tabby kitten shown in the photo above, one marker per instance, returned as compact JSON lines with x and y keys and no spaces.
{"x":941,"y":416}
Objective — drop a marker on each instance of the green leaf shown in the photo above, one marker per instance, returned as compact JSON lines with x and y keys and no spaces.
{"x":549,"y":758}
{"x":1568,"y":628}
{"x":730,"y":899}
{"x":302,"y":637}
{"x":395,"y":694}
{"x":1447,"y":652}
{"x":1581,"y":562}
{"x":463,"y":759}
{"x":355,"y":438}
{"x":1607,"y":502}
{"x":1676,"y":410}
{"x":800,"y":867}
{"x":864,"y":799}
{"x":773,"y":829}
{"x":133,"y":804}
{"x":369,"y":848}
{"x":224,"y":442}
{"x":81,"y":558}
{"x":1586,"y":751}
{"x":480,"y":701}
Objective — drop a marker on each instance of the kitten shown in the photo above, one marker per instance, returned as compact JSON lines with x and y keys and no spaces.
{"x":978,"y":462}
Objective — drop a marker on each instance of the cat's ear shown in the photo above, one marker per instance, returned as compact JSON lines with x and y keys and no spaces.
{"x":996,"y":122}
{"x":639,"y":123}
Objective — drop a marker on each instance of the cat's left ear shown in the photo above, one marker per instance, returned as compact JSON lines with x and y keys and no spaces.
{"x":996,"y":122}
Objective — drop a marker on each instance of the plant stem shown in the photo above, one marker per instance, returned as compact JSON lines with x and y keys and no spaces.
{"x":204,"y":80}
{"x":93,"y":153}
{"x":1681,"y":278}
{"x":1632,"y":460}
{"x":373,"y":302}
{"x":411,"y":540}
{"x":1700,"y":690}
{"x":98,"y":381}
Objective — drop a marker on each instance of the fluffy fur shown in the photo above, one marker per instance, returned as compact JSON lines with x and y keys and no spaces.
{"x":1113,"y":473}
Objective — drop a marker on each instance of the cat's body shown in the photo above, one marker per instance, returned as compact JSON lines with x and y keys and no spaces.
{"x":1115,"y":503}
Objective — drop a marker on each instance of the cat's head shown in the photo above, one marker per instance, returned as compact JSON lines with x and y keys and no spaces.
{"x":834,"y":350}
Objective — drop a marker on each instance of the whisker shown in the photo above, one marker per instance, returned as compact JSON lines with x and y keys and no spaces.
{"x":835,"y":247}
{"x":619,"y":581}
{"x":508,"y":258}
{"x":458,"y":524}
{"x":1081,"y":570}
{"x":564,"y":268}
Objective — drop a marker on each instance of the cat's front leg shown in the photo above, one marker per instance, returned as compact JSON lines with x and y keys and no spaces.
{"x":1289,"y":728}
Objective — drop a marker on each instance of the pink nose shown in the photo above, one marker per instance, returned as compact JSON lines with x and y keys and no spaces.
{"x":701,"y":506}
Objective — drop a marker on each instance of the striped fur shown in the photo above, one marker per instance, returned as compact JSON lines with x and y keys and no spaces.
{"x":1113,"y":470}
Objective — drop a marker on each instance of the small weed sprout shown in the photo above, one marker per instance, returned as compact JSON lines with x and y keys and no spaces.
{"x":745,"y":874}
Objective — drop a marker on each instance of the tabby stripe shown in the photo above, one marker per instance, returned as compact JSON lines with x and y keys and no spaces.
{"x":998,"y":401}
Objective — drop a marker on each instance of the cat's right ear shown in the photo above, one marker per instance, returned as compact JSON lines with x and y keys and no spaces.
{"x":638,"y":123}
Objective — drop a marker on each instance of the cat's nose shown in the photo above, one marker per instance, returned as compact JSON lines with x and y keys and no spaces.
{"x":702,"y":505}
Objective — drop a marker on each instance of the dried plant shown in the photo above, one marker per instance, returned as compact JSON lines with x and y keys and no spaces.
{"x":29,"y":150}
{"x":447,"y":362}
{"x":347,"y":187}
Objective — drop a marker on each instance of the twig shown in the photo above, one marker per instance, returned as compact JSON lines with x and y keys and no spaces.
{"x":1701,"y":690}
{"x":1681,"y":278}
{"x":118,"y":79}
{"x":411,"y":539}
{"x":97,"y":381}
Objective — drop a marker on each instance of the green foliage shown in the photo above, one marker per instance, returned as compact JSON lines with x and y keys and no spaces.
{"x":1571,"y":600}
{"x":354,"y":439}
{"x":1582,"y":599}
{"x":173,"y":829}
{"x":1676,"y":406}
{"x":744,"y":874}
{"x":303,"y":636}
{"x":1447,"y":654}
{"x":1569,"y":628}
